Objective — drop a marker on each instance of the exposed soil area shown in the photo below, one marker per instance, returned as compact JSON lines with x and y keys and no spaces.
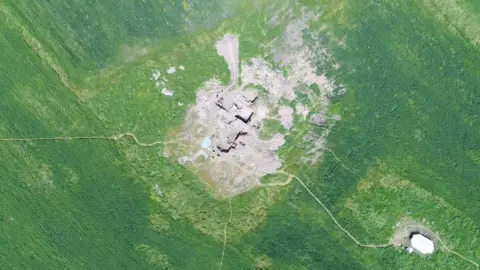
{"x":405,"y":227}
{"x":286,"y":116}
{"x":222,"y":141}
{"x":227,"y":47}
{"x":220,"y":135}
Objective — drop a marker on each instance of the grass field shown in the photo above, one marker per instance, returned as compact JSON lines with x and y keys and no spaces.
{"x":407,"y":144}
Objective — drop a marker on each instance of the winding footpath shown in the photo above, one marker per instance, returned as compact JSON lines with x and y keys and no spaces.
{"x":86,"y":138}
{"x":225,"y":233}
{"x":358,"y":243}
{"x":291,"y":177}
{"x":285,"y":183}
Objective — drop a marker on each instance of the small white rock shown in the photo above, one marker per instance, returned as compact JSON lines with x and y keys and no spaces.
{"x":167,"y":92}
{"x":181,"y":67}
{"x":155,"y":75}
{"x":171,"y":70}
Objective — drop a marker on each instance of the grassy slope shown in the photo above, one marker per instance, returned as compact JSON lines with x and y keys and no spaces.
{"x":84,"y":34}
{"x":70,"y":210}
{"x":412,"y":105}
{"x":72,"y":204}
{"x":55,"y":210}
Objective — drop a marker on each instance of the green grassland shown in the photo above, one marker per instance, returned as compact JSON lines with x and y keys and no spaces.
{"x":407,"y":144}
{"x":412,"y":106}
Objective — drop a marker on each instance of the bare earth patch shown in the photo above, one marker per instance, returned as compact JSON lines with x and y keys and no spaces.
{"x":286,"y":116}
{"x":407,"y":226}
{"x":222,"y":144}
{"x":220,"y":136}
{"x":227,"y":47}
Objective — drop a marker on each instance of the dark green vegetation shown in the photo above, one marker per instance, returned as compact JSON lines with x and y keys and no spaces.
{"x":413,"y":105}
{"x":410,"y":130}
{"x":269,"y":128}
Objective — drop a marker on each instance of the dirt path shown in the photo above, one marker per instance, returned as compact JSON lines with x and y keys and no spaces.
{"x":365,"y":245}
{"x":291,"y":177}
{"x":448,"y":249}
{"x":289,"y":180}
{"x":336,"y":221}
{"x":225,"y":233}
{"x":107,"y":138}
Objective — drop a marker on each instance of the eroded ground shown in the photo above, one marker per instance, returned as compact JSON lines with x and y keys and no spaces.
{"x":405,"y":227}
{"x":220,"y":139}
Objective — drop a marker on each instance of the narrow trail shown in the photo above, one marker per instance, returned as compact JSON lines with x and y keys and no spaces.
{"x":86,"y":138}
{"x":285,"y":183}
{"x":444,"y":246}
{"x":456,"y":253}
{"x":225,"y":234}
{"x":358,"y":243}
{"x":290,"y":179}
{"x":336,"y":221}
{"x":341,"y":162}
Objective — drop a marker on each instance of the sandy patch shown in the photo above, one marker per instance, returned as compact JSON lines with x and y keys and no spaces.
{"x":318,"y":119}
{"x":227,"y":47}
{"x":286,"y":116}
{"x":276,"y":141}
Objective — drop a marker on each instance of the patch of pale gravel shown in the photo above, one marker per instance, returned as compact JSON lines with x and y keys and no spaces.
{"x":292,"y":52}
{"x":302,"y":110}
{"x":227,"y":47}
{"x":171,"y":70}
{"x":260,"y":72}
{"x":241,"y":168}
{"x":262,"y":112}
{"x":293,"y":36}
{"x":286,"y":116}
{"x":288,"y":52}
{"x":276,"y":142}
